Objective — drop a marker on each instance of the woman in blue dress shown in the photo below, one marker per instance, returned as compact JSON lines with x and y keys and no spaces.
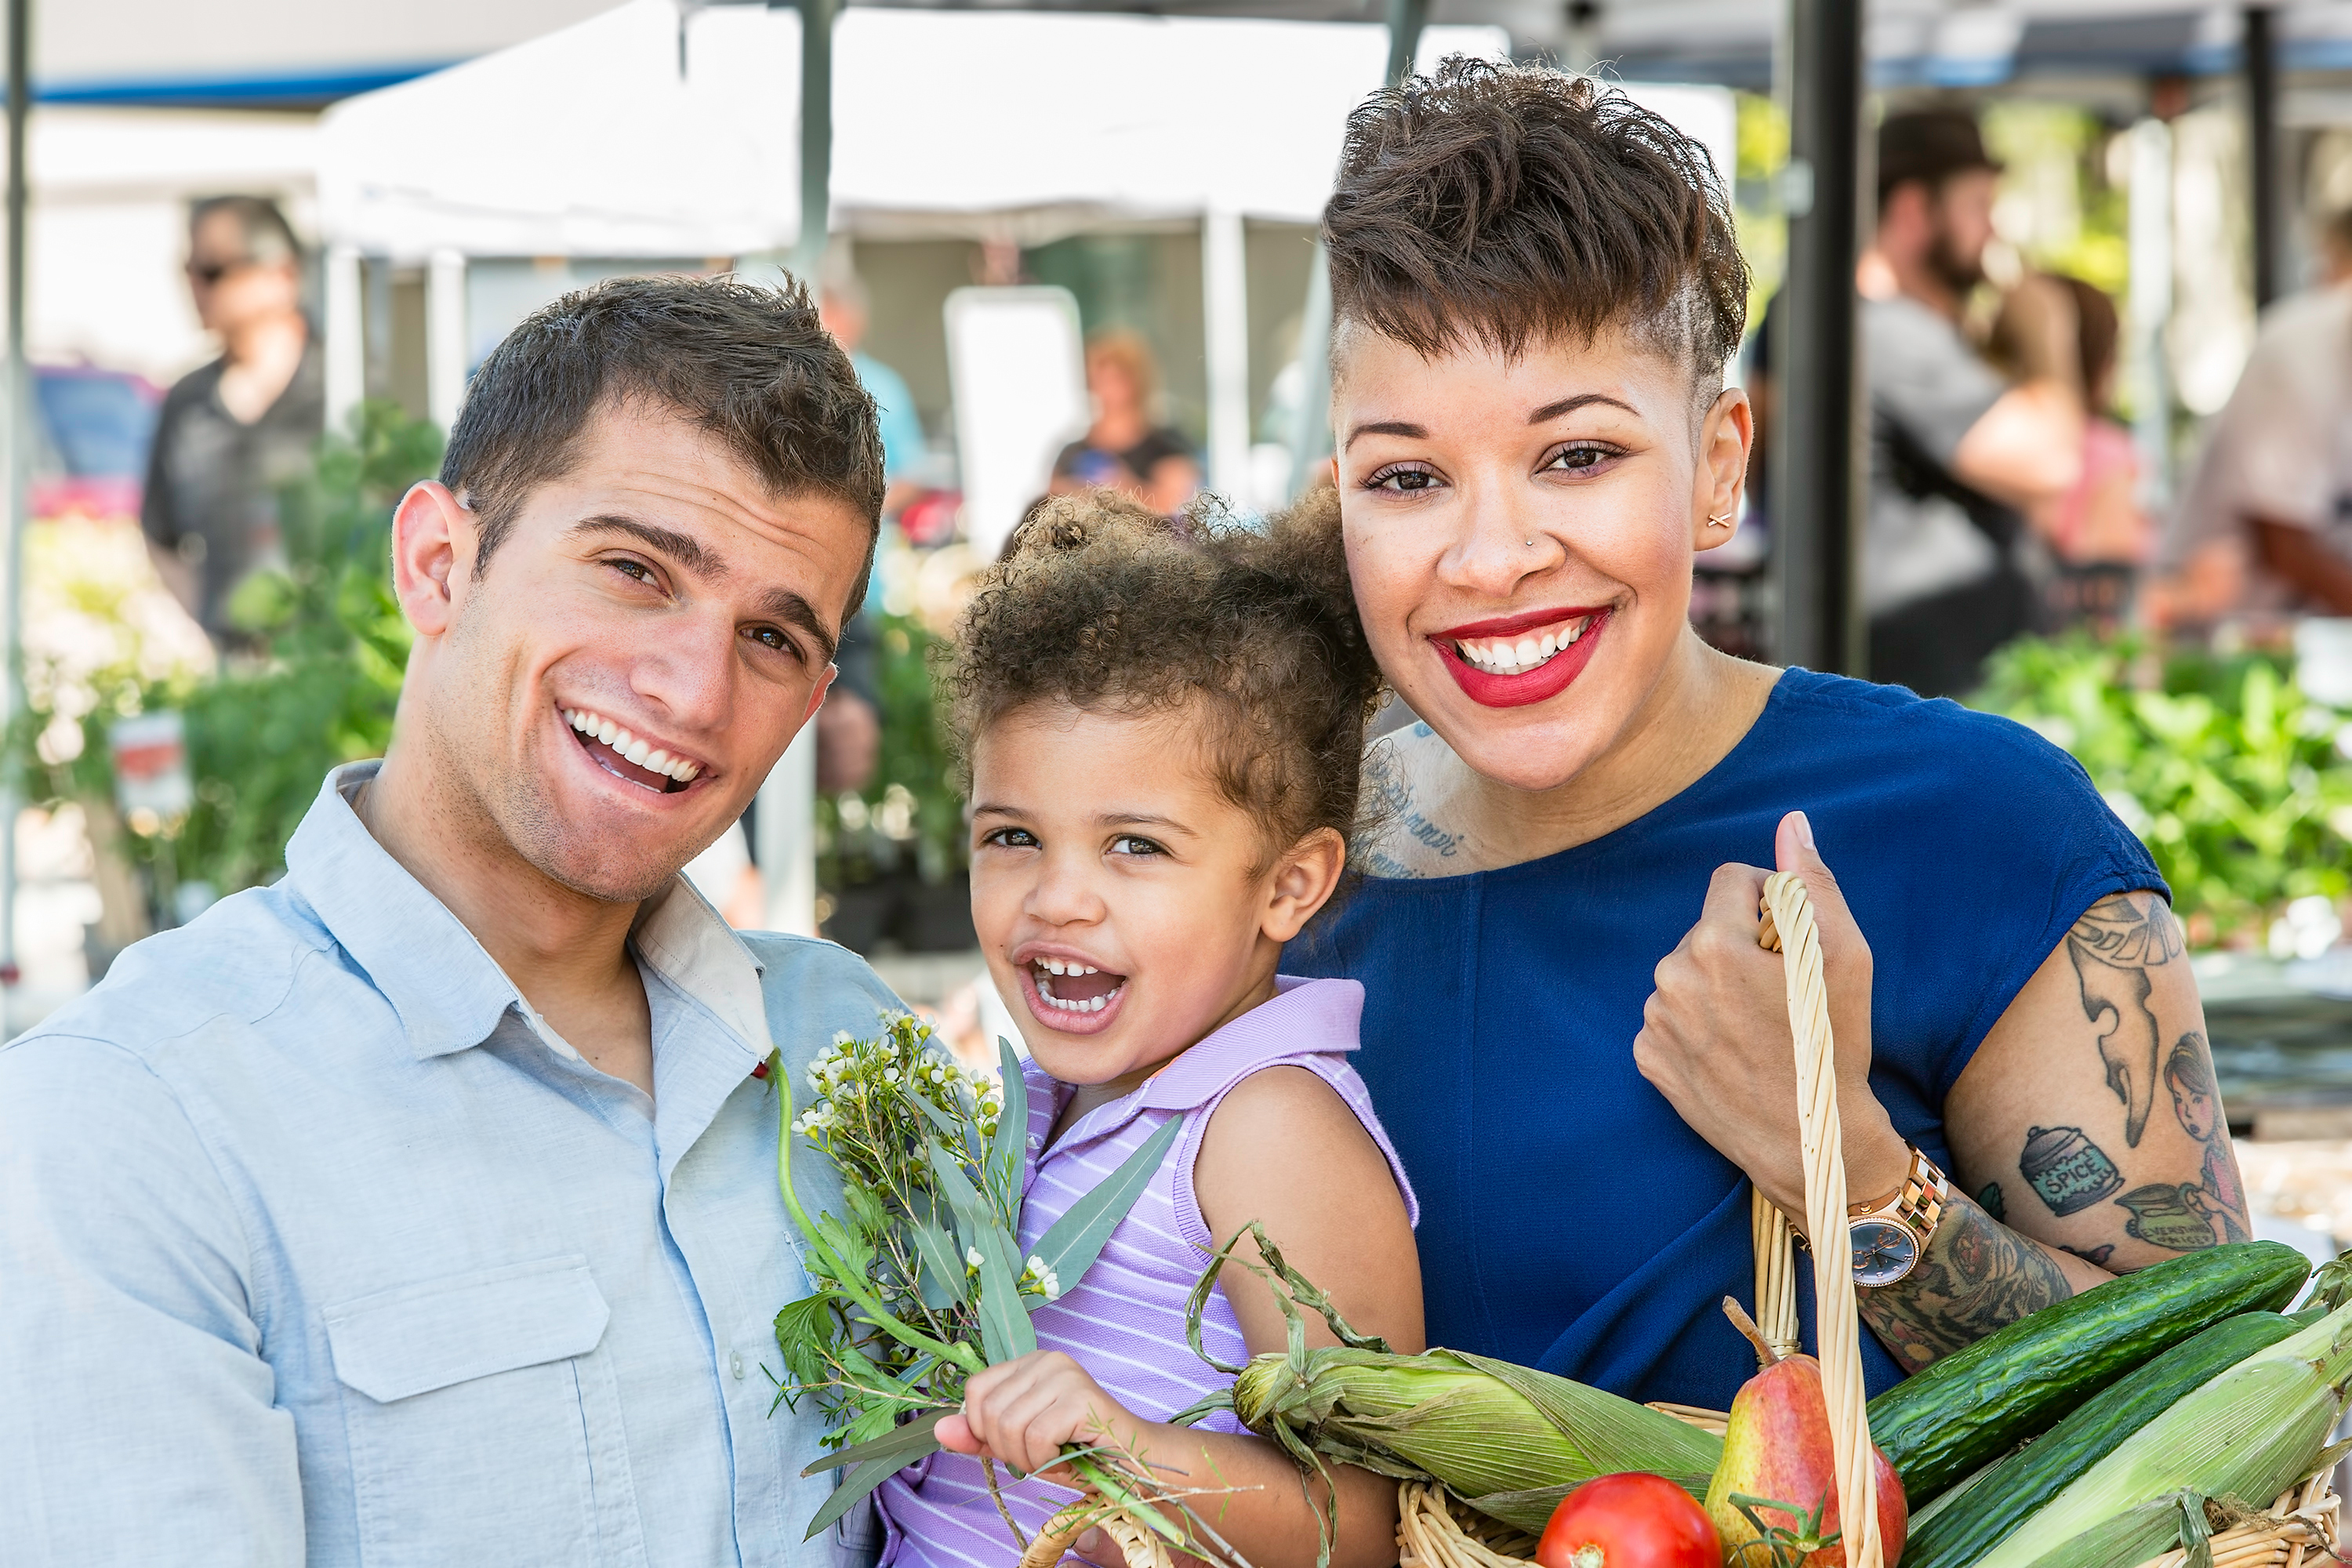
{"x":1569,"y":1028}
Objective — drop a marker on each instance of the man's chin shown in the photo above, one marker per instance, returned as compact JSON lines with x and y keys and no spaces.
{"x":595,"y":871}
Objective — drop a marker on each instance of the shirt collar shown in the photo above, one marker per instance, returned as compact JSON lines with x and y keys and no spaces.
{"x":446,"y":989}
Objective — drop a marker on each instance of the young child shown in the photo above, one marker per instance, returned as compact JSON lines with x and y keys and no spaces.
{"x":1163,"y":734}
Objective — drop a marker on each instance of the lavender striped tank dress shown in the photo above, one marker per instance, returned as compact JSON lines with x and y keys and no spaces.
{"x":1124,"y":1322}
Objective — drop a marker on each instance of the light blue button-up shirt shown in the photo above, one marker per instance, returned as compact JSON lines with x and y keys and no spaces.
{"x":317,"y":1244}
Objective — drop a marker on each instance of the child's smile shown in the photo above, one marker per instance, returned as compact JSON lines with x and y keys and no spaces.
{"x":1066,"y":993}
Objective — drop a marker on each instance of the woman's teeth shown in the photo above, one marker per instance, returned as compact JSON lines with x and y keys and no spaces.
{"x":633,"y":747}
{"x":1506,"y":656}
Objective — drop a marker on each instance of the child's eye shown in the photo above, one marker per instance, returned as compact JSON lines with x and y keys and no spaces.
{"x":1130,"y":844}
{"x":1401,"y":480}
{"x":1580,"y":457}
{"x":1011,"y":838}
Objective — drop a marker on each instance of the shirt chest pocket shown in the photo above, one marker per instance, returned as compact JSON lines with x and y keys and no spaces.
{"x":483,"y":1419}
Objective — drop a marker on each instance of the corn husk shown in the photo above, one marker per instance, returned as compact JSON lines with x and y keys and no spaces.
{"x":2253,"y":1432}
{"x":1508,"y":1440}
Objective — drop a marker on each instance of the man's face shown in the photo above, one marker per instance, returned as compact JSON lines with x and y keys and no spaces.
{"x":230,"y":288}
{"x":657,"y":589}
{"x":1961,"y":216}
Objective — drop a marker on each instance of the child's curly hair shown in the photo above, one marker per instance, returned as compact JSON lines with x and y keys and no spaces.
{"x":1106,"y":607}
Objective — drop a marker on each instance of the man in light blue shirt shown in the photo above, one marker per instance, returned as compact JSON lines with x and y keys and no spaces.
{"x":420,"y":1208}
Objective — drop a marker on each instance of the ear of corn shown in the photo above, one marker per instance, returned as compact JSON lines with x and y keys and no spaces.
{"x":2251,"y":1433}
{"x":1510,"y":1440}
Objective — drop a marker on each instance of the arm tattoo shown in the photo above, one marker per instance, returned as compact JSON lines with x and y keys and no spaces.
{"x":2188,"y":1217}
{"x":1394,"y":813}
{"x":2113,"y":946}
{"x":1976,"y":1276}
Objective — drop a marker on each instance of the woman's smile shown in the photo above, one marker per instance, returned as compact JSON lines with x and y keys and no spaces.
{"x":1519,"y":659}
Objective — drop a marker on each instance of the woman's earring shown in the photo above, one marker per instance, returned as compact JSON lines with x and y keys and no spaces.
{"x":1723,"y":521}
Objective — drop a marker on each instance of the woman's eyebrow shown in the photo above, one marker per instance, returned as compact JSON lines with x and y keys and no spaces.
{"x":1385,"y":428}
{"x":1571,"y":405}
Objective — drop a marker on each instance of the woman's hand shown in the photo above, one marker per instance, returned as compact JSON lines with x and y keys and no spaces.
{"x":1715,"y":1035}
{"x":1020,"y":1414}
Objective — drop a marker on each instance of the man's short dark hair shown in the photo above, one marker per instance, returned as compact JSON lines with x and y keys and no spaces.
{"x":266,"y":237}
{"x":745,"y":363}
{"x":1514,"y":205}
{"x":1929,"y":146}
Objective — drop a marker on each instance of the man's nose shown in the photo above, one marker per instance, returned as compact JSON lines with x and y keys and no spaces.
{"x":688,"y":674}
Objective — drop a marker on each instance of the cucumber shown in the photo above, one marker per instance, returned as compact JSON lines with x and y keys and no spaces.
{"x":1996,"y":1502}
{"x":1978,"y":1403}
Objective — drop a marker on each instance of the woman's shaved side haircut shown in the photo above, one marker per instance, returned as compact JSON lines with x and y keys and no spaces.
{"x":1511,"y":205}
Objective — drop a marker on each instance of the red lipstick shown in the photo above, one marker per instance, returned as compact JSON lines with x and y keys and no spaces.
{"x":1546,"y":680}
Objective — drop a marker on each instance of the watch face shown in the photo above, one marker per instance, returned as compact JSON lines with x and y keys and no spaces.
{"x":1883,"y":1251}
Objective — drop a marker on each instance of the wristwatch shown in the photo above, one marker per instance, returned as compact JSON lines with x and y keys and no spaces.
{"x":1892,"y":1235}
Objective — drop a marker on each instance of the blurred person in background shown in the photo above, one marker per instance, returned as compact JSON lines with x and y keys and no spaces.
{"x":1957,"y":453}
{"x":2101,"y":536}
{"x":849,"y":726}
{"x":1127,"y":449}
{"x":234,"y":433}
{"x":2265,"y":529}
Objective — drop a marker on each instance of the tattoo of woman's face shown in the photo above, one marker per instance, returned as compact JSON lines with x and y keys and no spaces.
{"x":2194,"y":1099}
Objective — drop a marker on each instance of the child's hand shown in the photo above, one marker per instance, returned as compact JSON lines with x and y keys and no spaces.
{"x":1022,"y":1412}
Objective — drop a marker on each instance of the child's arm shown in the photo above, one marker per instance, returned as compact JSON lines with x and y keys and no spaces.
{"x":1285,"y":1150}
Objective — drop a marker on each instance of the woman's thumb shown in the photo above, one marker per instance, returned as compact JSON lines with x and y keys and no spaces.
{"x":1793,"y":850}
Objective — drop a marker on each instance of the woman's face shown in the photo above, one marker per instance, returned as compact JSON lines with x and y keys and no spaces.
{"x":1520,"y":531}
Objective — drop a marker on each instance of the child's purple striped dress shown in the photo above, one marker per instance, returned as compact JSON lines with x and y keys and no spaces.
{"x":1125,"y":1322}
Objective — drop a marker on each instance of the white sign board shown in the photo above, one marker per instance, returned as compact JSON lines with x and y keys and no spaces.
{"x":1016,"y":365}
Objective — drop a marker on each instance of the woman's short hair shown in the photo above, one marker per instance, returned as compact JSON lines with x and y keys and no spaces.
{"x":1105,"y":605}
{"x":1512,"y":205}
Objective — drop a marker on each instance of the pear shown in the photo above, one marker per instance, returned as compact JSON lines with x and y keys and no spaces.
{"x":1777,"y":1446}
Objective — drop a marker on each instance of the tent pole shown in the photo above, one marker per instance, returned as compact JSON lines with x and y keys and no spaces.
{"x":1405,"y":19}
{"x":445,"y":337}
{"x":1310,"y":440}
{"x":20,"y":474}
{"x":1225,"y":312}
{"x":1816,"y":488}
{"x":2260,"y":46}
{"x":346,"y":330}
{"x":816,"y":136}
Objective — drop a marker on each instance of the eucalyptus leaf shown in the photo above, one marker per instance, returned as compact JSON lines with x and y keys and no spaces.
{"x":963,"y":1201}
{"x":853,"y":1490}
{"x":1004,"y":1329}
{"x":940,"y":1262}
{"x":1004,"y":1159}
{"x":904,"y":1445}
{"x":1070,"y":1246}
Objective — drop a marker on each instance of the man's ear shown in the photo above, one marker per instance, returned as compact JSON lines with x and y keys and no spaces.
{"x":1304,"y":881}
{"x":817,"y":696}
{"x":433,"y":545}
{"x":1724,"y":435}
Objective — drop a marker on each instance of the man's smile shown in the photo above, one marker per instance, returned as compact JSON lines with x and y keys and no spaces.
{"x":630,"y":757}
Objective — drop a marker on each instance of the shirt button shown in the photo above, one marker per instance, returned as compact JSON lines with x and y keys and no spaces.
{"x":1035,"y":1141}
{"x":735,"y":1365}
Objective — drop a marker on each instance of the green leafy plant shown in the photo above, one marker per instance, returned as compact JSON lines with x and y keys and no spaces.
{"x":910,"y":815}
{"x":2236,"y":781}
{"x":921,"y":1282}
{"x":316,"y":685}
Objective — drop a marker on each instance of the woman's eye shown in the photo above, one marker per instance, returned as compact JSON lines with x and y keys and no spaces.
{"x":1404,"y":480}
{"x":1576,"y":459}
{"x":1011,"y":838}
{"x":1129,"y":844}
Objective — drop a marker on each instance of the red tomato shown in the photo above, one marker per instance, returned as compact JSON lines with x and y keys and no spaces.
{"x":1632,"y":1520}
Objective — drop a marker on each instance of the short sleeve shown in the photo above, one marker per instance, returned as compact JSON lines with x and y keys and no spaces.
{"x":1923,"y":378}
{"x":2275,"y":444}
{"x":147,"y":1414}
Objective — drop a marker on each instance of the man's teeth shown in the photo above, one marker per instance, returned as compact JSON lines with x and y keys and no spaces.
{"x":1504,"y":656}
{"x":635,"y":748}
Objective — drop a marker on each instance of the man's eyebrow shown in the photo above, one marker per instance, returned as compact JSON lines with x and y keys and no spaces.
{"x":783,"y":605}
{"x":683,"y":548}
{"x":1582,"y":399}
{"x":1385,"y":428}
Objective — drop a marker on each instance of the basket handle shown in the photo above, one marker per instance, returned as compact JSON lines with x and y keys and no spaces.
{"x":1788,"y":926}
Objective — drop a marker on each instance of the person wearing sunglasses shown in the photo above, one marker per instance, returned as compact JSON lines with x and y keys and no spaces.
{"x":232,"y":434}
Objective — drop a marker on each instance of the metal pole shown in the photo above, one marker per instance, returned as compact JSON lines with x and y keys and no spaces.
{"x":2262,"y":144}
{"x":2150,"y":231}
{"x":816,"y":136}
{"x":1405,"y":20}
{"x":20,"y":472}
{"x":1817,"y":494}
{"x":1310,"y":440}
{"x":1224,"y":319}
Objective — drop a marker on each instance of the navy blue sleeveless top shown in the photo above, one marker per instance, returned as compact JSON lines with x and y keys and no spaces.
{"x":1569,"y":1219}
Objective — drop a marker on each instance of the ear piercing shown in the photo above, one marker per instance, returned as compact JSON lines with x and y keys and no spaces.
{"x":1723,"y":521}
